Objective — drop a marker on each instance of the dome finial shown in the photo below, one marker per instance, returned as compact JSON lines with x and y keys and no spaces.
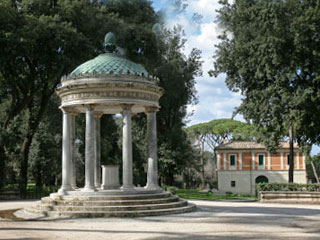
{"x":109,"y":42}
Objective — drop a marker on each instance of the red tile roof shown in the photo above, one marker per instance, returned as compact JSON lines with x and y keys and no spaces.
{"x":250,"y":145}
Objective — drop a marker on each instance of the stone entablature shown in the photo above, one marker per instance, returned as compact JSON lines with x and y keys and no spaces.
{"x":112,"y":77}
{"x":109,"y":94}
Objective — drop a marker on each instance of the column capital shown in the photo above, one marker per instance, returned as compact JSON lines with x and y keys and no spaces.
{"x":67,"y":110}
{"x":74,"y":113}
{"x":126,"y":106}
{"x":151,"y":109}
{"x":90,"y":106}
{"x":98,"y":114}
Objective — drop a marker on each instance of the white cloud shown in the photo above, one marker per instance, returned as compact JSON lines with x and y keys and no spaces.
{"x":215,"y":100}
{"x":207,"y":8}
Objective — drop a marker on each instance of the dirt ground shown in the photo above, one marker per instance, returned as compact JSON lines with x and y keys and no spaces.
{"x":212,"y":220}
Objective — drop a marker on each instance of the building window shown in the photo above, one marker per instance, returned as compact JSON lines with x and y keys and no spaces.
{"x":232,"y":159}
{"x":261,"y":160}
{"x":233,"y":183}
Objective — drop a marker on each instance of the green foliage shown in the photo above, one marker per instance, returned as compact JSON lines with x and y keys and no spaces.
{"x":270,"y":52}
{"x":288,"y":187}
{"x":139,"y":149}
{"x":222,"y":130}
{"x":32,"y":191}
{"x":316,"y":162}
{"x":213,"y":133}
{"x":43,"y":40}
{"x":195,"y":194}
{"x":177,"y":74}
{"x":169,"y":188}
{"x":45,"y":151}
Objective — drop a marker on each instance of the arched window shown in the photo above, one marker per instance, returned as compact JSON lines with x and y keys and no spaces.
{"x":262,"y":179}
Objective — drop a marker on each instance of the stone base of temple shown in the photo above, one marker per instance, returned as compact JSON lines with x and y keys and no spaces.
{"x":111,"y":203}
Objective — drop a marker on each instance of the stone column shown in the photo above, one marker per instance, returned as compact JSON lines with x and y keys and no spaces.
{"x":73,"y":152}
{"x":66,"y":153}
{"x":152,"y":149}
{"x":97,"y":159}
{"x":89,"y":151}
{"x":127,"y":180}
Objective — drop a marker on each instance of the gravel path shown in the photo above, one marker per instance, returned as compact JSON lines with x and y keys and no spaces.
{"x":212,"y":220}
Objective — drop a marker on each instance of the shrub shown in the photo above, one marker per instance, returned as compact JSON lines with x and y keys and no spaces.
{"x":299,"y":187}
{"x":171,"y":189}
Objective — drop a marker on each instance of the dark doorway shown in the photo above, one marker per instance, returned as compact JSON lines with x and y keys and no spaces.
{"x":262,"y":179}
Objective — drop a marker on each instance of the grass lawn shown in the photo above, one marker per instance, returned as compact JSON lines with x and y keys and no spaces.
{"x":197,"y":195}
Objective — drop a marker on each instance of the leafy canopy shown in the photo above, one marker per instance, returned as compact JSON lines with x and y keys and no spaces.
{"x":270,"y":51}
{"x":219,"y":130}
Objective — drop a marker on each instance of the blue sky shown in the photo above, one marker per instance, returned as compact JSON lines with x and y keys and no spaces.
{"x":215,"y":100}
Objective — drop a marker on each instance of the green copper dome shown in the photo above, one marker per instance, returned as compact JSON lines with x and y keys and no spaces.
{"x":109,"y":63}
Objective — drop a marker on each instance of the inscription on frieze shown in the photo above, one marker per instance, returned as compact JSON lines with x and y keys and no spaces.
{"x":92,"y":95}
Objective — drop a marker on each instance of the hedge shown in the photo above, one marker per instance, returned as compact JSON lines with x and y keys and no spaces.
{"x":32,"y":192}
{"x":298,"y":187}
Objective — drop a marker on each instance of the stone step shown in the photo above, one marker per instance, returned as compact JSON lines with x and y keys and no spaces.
{"x":135,"y":213}
{"x":117,"y":208}
{"x":110,"y":197}
{"x":110,"y":202}
{"x":98,"y":205}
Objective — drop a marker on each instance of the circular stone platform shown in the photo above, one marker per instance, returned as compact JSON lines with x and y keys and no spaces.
{"x":101,"y":204}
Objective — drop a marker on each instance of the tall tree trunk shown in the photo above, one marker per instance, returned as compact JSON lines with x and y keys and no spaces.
{"x":215,"y":167}
{"x":202,"y":162}
{"x":203,"y":180}
{"x":169,"y":179}
{"x":315,"y":172}
{"x":291,"y":156}
{"x":2,"y":166}
{"x":24,"y":162}
{"x":35,"y":116}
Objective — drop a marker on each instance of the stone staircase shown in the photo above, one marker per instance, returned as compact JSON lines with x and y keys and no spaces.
{"x":111,"y":206}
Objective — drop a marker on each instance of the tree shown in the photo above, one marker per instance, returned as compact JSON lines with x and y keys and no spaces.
{"x":313,"y":171}
{"x":177,"y":74}
{"x":211,"y":134}
{"x":270,"y":52}
{"x":45,"y":150}
{"x":47,"y":39}
{"x":43,"y":40}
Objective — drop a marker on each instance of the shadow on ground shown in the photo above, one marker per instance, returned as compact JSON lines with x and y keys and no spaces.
{"x":9,"y":214}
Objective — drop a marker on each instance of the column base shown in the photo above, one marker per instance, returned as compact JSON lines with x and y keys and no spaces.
{"x":152,"y":187}
{"x":98,"y":185}
{"x":127,"y":188}
{"x":106,"y":187}
{"x":64,"y":189}
{"x":86,"y":189}
{"x":74,"y":187}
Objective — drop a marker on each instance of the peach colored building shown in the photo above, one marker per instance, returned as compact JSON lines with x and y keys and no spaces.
{"x":241,"y":165}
